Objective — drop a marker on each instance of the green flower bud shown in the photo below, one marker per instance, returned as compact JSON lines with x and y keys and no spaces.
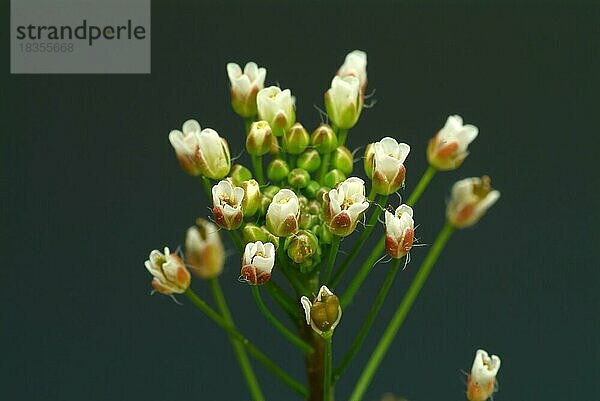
{"x":303,"y":249}
{"x":270,"y":191}
{"x":265,"y":201}
{"x":342,"y":159}
{"x":344,"y":101}
{"x":333,"y":178}
{"x":251,"y":200}
{"x":324,"y":139}
{"x":239,"y":174}
{"x":277,"y":170}
{"x":314,"y":207}
{"x":369,"y":159}
{"x":259,"y":139}
{"x":308,"y":221}
{"x":298,"y":178}
{"x":309,"y":160}
{"x":311,"y":189}
{"x":325,"y":236}
{"x":252,"y":233}
{"x":296,"y":139}
{"x":320,"y":193}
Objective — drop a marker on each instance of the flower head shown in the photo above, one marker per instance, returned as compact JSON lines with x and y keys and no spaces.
{"x":355,"y":65}
{"x":187,"y":147}
{"x":399,"y":231}
{"x":481,"y":383}
{"x":245,"y":86}
{"x":324,"y":313}
{"x":448,"y":149}
{"x":345,"y":205}
{"x":170,"y":274}
{"x":277,"y":108}
{"x":384,"y":163}
{"x":259,"y":139}
{"x":204,"y":252}
{"x":257,"y":262}
{"x":469,"y":200}
{"x":227,"y":205}
{"x":283,"y":213}
{"x":344,"y":101}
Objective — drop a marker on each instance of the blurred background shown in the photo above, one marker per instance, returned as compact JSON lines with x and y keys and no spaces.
{"x":90,"y":185}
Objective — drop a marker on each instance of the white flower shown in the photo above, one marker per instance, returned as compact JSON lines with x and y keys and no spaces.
{"x":283,"y":213}
{"x":344,"y":101}
{"x":277,"y":108}
{"x":448,"y":149}
{"x":245,"y":86}
{"x":227,"y":205}
{"x":257,"y":262}
{"x":481,"y":383}
{"x":324,"y":314}
{"x":259,"y":139}
{"x":385,"y":163}
{"x":355,"y":65}
{"x":204,"y":252}
{"x":345,"y":205}
{"x":469,"y":200}
{"x":170,"y":274}
{"x":399,"y":231}
{"x":187,"y":147}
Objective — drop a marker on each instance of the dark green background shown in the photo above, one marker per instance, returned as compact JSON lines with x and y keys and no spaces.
{"x":90,"y":185}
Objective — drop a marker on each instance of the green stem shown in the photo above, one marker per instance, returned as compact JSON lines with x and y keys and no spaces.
{"x":422,"y":184}
{"x":372,"y":194}
{"x":342,"y":135}
{"x":257,"y":165}
{"x":324,"y":167}
{"x":287,"y":271}
{"x":364,"y":330}
{"x":293,"y":161}
{"x":251,"y":348}
{"x":400,"y":314}
{"x":335,"y":246}
{"x":284,"y":300}
{"x":207,"y":187}
{"x":327,"y":370}
{"x":291,"y":337}
{"x":238,"y":348}
{"x":363,"y":272}
{"x":364,"y":236}
{"x":248,"y":123}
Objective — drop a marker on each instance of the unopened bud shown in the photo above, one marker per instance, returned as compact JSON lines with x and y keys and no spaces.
{"x":170,"y":274}
{"x":245,"y":86}
{"x":239,"y":174}
{"x":296,"y":139}
{"x":303,"y":249}
{"x":342,"y":159}
{"x":283,"y":213}
{"x":448,"y":149}
{"x":310,"y":160}
{"x":312,"y":189}
{"x":278,"y":170}
{"x":259,"y":139}
{"x":251,"y":200}
{"x":481,"y":383}
{"x":469,"y":200}
{"x":298,"y":178}
{"x":323,"y":139}
{"x":368,"y":159}
{"x":388,"y":165}
{"x":270,"y":191}
{"x":333,"y":178}
{"x":204,"y":252}
{"x":277,"y":108}
{"x":344,"y":101}
{"x":324,"y":313}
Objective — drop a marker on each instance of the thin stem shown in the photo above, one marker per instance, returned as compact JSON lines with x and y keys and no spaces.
{"x":324,"y":167}
{"x":251,"y":348}
{"x":363,"y":272}
{"x":257,"y":165}
{"x":364,"y":330}
{"x":283,"y":300}
{"x":342,"y":135}
{"x":400,"y":314}
{"x":287,"y":271}
{"x":291,"y":337}
{"x":335,"y":246}
{"x":293,"y":161}
{"x":364,"y":236}
{"x":421,"y":185}
{"x":327,"y":370}
{"x":207,"y":187}
{"x":372,"y":194}
{"x":248,"y":123}
{"x":238,"y":348}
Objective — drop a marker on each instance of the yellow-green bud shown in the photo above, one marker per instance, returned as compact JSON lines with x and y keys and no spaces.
{"x":320,"y":193}
{"x":252,"y":233}
{"x":277,"y":170}
{"x":259,"y":139}
{"x":311,"y":189}
{"x":296,"y":139}
{"x":303,"y":249}
{"x":309,"y":160}
{"x":324,"y":139}
{"x":270,"y":191}
{"x":251,"y":200}
{"x":324,"y":234}
{"x":333,"y":178}
{"x":239,"y":174}
{"x":308,"y":221}
{"x":298,"y":178}
{"x":342,"y":159}
{"x":369,"y":159}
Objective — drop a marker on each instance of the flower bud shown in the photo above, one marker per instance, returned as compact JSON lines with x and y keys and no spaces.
{"x":252,"y":233}
{"x":342,"y":159}
{"x":481,"y":383}
{"x":324,"y":313}
{"x":251,"y":200}
{"x":283,"y":213}
{"x":245,"y":86}
{"x":296,"y":139}
{"x":325,"y":236}
{"x":388,"y":165}
{"x":257,"y":262}
{"x":204,"y":252}
{"x":344,"y":101}
{"x":399,"y":231}
{"x":303,"y":249}
{"x":320,"y":196}
{"x":448,"y":149}
{"x":298,"y":178}
{"x":345,"y":205}
{"x":469,"y":200}
{"x":333,"y":178}
{"x":239,"y":174}
{"x":312,"y":189}
{"x":278,"y":170}
{"x":277,"y":108}
{"x":369,"y":159}
{"x":355,"y":65}
{"x":170,"y":274}
{"x":259,"y":139}
{"x":310,"y":160}
{"x":187,"y":147}
{"x":270,"y":191}
{"x":324,"y":139}
{"x":227,"y":205}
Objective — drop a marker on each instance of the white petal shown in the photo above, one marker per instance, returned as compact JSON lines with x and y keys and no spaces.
{"x":306,"y":305}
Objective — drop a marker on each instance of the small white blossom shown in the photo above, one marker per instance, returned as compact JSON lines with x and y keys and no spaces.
{"x":384,"y":163}
{"x":277,"y":108}
{"x":204,"y":252}
{"x":170,"y":274}
{"x":345,"y":205}
{"x":448,"y":149}
{"x":481,"y":383}
{"x":344,"y":101}
{"x":257,"y":262}
{"x":399,"y":231}
{"x":283,"y":213}
{"x":355,"y":65}
{"x":469,"y":200}
{"x":227,"y":205}
{"x":245,"y":86}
